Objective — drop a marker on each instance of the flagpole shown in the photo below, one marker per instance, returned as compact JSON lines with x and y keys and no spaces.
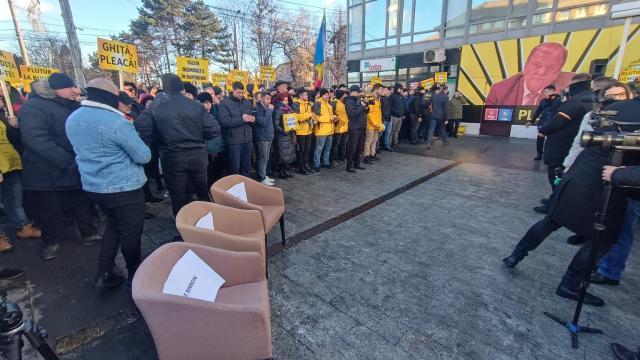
{"x":324,"y":49}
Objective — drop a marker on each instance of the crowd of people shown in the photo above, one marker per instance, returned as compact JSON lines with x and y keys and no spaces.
{"x":68,"y":159}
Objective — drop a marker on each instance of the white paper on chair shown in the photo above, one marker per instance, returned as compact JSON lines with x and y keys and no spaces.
{"x":238,"y":190}
{"x":193,"y":278}
{"x":206,"y":222}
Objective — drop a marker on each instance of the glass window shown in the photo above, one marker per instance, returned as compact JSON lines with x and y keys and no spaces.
{"x":482,"y":10}
{"x":393,"y":18}
{"x":407,"y":14}
{"x":355,"y":47}
{"x":387,"y":75}
{"x":405,"y":40}
{"x":544,"y":4}
{"x":542,"y":18}
{"x":454,"y":32}
{"x":417,"y":70}
{"x":366,"y":76}
{"x":487,"y":27}
{"x":431,"y":36}
{"x":355,"y":24}
{"x":456,"y":12}
{"x":453,"y":70}
{"x":428,"y":15}
{"x":374,"y":44}
{"x":434,"y":68}
{"x":517,"y":22}
{"x":402,"y":74}
{"x":392,"y":42}
{"x":353,"y":77}
{"x":581,"y":12}
{"x":519,"y":7}
{"x":374,"y":16}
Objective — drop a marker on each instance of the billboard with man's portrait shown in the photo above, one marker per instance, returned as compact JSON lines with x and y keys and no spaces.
{"x":514,"y":72}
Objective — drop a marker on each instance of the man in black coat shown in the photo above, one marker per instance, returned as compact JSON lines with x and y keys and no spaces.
{"x":236,"y":119}
{"x":415,"y":111}
{"x":575,"y":202}
{"x":50,"y":178}
{"x":397,"y":113}
{"x":545,"y":112}
{"x":180,"y":127}
{"x":357,"y":112}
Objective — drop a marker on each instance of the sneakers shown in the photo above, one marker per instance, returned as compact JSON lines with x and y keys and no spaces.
{"x":266,"y":182}
{"x":5,"y":244}
{"x":597,"y":278}
{"x":29,"y":231}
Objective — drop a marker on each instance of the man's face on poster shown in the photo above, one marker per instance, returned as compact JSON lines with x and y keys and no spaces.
{"x":543,"y":66}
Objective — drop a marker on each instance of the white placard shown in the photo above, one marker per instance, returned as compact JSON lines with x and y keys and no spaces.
{"x":380,"y":64}
{"x":206,"y":222}
{"x":193,"y":278}
{"x":238,"y":190}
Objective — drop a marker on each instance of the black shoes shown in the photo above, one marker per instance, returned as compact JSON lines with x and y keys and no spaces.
{"x":367,"y":160}
{"x":571,"y":294}
{"x":316,"y":169}
{"x":597,"y":278}
{"x":108,"y":281}
{"x":351,"y":170}
{"x":8,"y":274}
{"x":50,"y":252}
{"x":88,"y":240}
{"x":511,"y":261}
{"x":544,"y":201}
{"x":542,"y":209}
{"x":154,"y":200}
{"x":359,"y":167}
{"x":576,"y":240}
{"x":538,"y":158}
{"x":622,"y":353}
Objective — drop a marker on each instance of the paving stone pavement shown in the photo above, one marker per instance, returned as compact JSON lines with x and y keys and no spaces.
{"x":416,"y":277}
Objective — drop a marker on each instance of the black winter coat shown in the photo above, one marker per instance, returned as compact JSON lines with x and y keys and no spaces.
{"x":385,"y":106}
{"x":234,"y":129}
{"x":356,"y":112}
{"x":176,"y":123}
{"x":547,"y":109}
{"x":415,"y":104}
{"x":48,"y":160}
{"x":397,"y":105}
{"x":285,"y":141}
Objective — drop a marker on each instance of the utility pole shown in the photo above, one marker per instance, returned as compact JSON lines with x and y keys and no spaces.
{"x":236,"y":61}
{"x":74,"y":45}
{"x":16,"y":25}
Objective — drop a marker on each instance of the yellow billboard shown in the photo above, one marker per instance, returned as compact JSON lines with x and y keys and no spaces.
{"x":514,"y":72}
{"x":34,"y":73}
{"x":115,"y":55}
{"x":192,"y":69}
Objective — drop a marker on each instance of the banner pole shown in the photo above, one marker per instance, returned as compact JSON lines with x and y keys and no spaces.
{"x":6,"y":96}
{"x":121,"y":80}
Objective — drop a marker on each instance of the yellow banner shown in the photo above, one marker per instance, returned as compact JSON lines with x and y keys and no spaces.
{"x":115,"y":55}
{"x":237,"y":75}
{"x":8,"y":68}
{"x":192,"y":69}
{"x":218,"y":79}
{"x":427,"y":83}
{"x":631,"y":73}
{"x":441,"y":77}
{"x":34,"y":73}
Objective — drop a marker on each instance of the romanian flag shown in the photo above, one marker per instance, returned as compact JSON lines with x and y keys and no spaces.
{"x":318,"y":60}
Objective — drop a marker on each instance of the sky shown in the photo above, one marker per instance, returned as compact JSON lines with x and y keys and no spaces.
{"x":97,"y":18}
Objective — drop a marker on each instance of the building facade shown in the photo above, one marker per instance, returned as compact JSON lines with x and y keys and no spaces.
{"x":496,"y":52}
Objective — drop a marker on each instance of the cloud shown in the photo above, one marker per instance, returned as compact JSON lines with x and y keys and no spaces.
{"x":46,"y":7}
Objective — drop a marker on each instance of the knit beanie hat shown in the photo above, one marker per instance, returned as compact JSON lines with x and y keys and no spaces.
{"x":59,"y":81}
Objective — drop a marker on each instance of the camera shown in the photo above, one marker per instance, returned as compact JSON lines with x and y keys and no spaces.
{"x":610,"y":133}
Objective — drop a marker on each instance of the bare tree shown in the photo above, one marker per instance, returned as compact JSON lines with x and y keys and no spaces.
{"x":297,"y":48}
{"x":264,"y":30}
{"x":336,"y":62}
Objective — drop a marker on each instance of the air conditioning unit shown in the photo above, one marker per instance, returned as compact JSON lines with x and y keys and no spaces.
{"x":434,"y":56}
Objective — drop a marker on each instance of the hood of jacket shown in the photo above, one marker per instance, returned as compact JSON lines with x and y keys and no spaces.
{"x":41,"y":88}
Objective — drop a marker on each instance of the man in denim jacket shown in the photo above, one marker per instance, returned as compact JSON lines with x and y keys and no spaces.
{"x":110,"y":157}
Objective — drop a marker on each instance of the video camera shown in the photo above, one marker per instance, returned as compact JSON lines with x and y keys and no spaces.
{"x":610,"y":133}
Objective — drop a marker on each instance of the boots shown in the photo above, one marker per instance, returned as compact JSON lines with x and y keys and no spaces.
{"x":512,"y":260}
{"x":283,"y":174}
{"x":367,"y":159}
{"x":29,"y":231}
{"x":5,"y":244}
{"x":302,"y":170}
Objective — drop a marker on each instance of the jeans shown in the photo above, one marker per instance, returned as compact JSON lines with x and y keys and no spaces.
{"x":183,"y":171}
{"x":396,"y":125}
{"x":323,"y":149}
{"x":355,"y":147}
{"x":11,"y":189}
{"x":423,"y":128}
{"x":262,"y":157}
{"x":240,"y":158}
{"x":385,"y":139}
{"x":613,"y":262}
{"x":124,"y":212}
{"x":51,"y":210}
{"x":441,"y":130}
{"x":339,"y":146}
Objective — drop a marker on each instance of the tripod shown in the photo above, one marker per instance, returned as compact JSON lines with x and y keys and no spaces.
{"x":599,"y":225}
{"x":12,"y":327}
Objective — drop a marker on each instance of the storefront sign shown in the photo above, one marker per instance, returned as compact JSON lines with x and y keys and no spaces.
{"x":34,"y":73}
{"x":441,"y":77}
{"x":8,"y":68}
{"x":490,"y":114}
{"x":381,"y":64}
{"x":192,"y":69}
{"x":115,"y":55}
{"x":505,"y":115}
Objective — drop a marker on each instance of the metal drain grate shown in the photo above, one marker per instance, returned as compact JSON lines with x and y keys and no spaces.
{"x":295,"y":239}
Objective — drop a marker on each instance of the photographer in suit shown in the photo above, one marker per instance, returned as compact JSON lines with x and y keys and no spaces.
{"x":574,"y":205}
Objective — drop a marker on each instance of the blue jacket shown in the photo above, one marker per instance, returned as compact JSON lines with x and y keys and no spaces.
{"x":109,"y":152}
{"x":263,"y":127}
{"x":440,"y":106}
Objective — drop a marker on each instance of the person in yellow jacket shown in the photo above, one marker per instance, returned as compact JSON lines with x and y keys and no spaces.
{"x":11,"y":184}
{"x":302,"y":107}
{"x":325,"y":119}
{"x":374,"y":125}
{"x":341,"y":129}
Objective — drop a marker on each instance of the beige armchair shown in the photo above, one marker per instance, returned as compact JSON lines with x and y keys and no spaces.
{"x":234,"y":229}
{"x":268,"y":200}
{"x":236,"y":326}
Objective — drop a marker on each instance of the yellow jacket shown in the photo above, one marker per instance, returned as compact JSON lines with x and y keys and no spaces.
{"x":322,"y":113}
{"x":305,"y":115}
{"x":9,"y":157}
{"x":374,"y":117}
{"x":342,"y":126}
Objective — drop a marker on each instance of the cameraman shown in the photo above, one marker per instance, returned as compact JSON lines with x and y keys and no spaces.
{"x":574,"y":203}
